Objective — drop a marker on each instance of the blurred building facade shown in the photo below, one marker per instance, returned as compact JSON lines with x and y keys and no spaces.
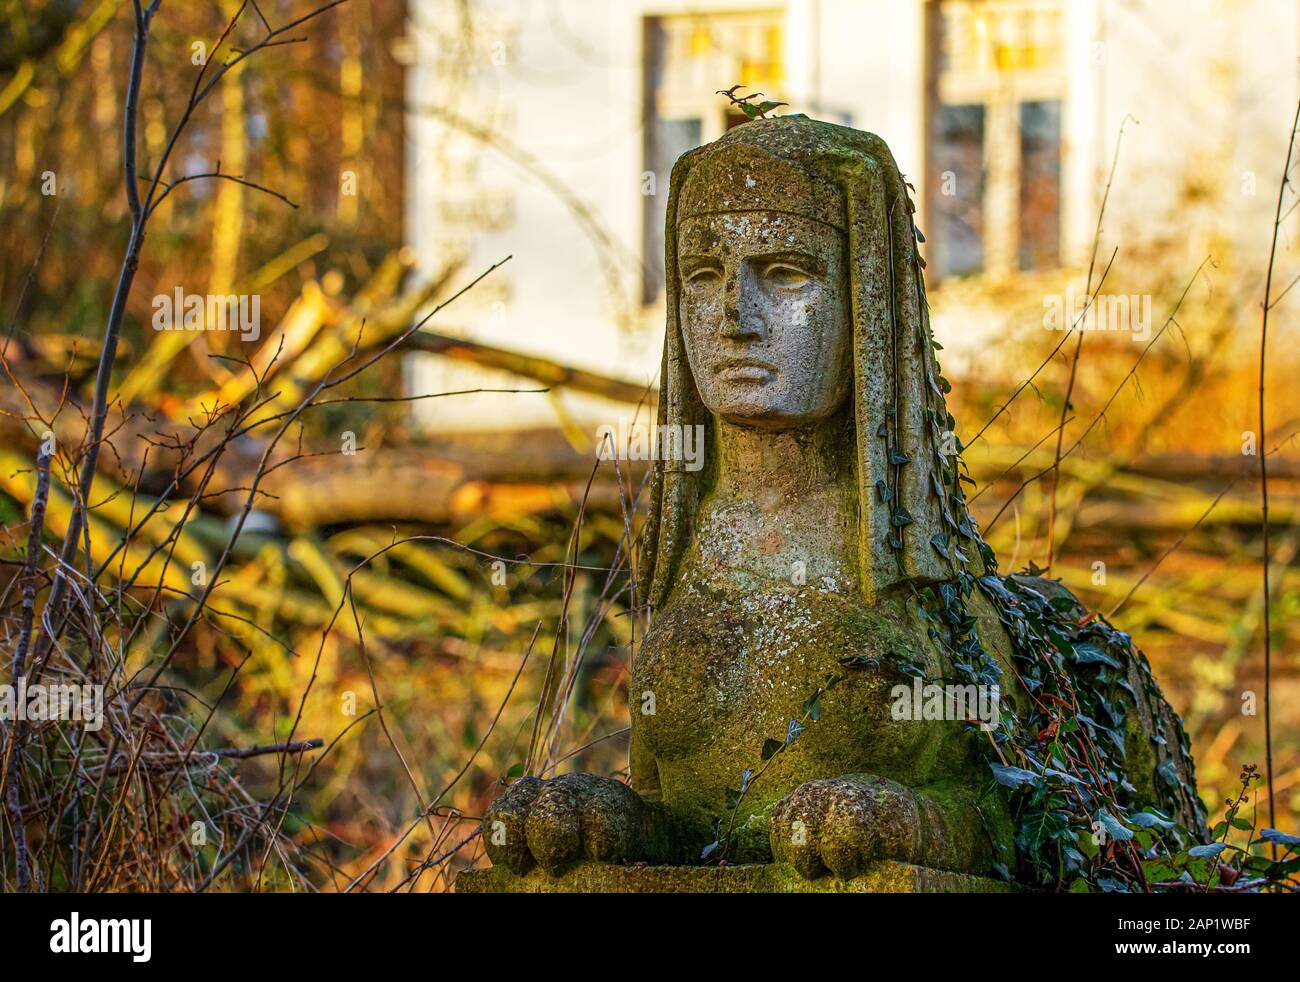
{"x":546,"y":130}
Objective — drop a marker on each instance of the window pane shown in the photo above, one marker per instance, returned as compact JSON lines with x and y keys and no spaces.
{"x":1040,"y":184}
{"x":958,"y":193}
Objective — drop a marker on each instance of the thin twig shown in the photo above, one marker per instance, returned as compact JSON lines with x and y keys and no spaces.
{"x":1263,"y":466}
{"x":11,"y":777}
{"x":1078,"y":349}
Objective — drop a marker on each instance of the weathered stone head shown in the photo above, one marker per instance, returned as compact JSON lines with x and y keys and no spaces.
{"x":822,"y":564}
{"x":795,"y":295}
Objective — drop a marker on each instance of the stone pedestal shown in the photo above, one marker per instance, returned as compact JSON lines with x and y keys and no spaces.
{"x":880,"y":877}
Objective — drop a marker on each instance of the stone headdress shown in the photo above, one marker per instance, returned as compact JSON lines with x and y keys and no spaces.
{"x":913,"y":522}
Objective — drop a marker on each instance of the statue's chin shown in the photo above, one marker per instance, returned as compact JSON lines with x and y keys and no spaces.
{"x":773,"y":406}
{"x":766,"y":416}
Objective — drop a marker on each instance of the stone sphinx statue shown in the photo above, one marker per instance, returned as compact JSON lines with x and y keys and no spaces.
{"x":821,"y":565}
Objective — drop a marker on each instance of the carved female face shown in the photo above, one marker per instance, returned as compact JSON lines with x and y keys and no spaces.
{"x":764,"y":314}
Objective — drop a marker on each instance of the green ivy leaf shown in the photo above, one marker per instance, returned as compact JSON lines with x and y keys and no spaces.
{"x":792,"y":731}
{"x":1013,"y":777}
{"x":813,"y":707}
{"x":1087,"y":653}
{"x":1280,"y":838}
{"x":1114,"y":828}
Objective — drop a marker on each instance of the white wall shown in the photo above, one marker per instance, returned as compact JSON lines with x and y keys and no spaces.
{"x":561,"y":95}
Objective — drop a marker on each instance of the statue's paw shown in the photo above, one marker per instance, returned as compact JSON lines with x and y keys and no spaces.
{"x":552,"y":823}
{"x":843,"y":824}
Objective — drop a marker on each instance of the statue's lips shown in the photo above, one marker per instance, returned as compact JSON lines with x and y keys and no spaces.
{"x":746,"y":370}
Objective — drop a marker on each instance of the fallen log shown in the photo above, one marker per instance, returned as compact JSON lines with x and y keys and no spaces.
{"x":550,"y":373}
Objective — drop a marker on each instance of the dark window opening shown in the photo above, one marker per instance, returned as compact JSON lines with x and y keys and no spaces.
{"x":958,"y":190}
{"x":1040,"y":184}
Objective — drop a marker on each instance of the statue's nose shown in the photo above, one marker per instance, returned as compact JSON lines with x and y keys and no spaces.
{"x":742,"y":316}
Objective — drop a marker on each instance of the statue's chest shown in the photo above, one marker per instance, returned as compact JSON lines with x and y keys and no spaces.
{"x":719,"y":674}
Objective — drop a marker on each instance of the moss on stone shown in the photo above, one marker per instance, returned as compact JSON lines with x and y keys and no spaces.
{"x":878,"y":877}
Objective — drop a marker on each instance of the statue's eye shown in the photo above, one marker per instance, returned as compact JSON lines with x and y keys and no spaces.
{"x":704,"y":276}
{"x":785,"y":276}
